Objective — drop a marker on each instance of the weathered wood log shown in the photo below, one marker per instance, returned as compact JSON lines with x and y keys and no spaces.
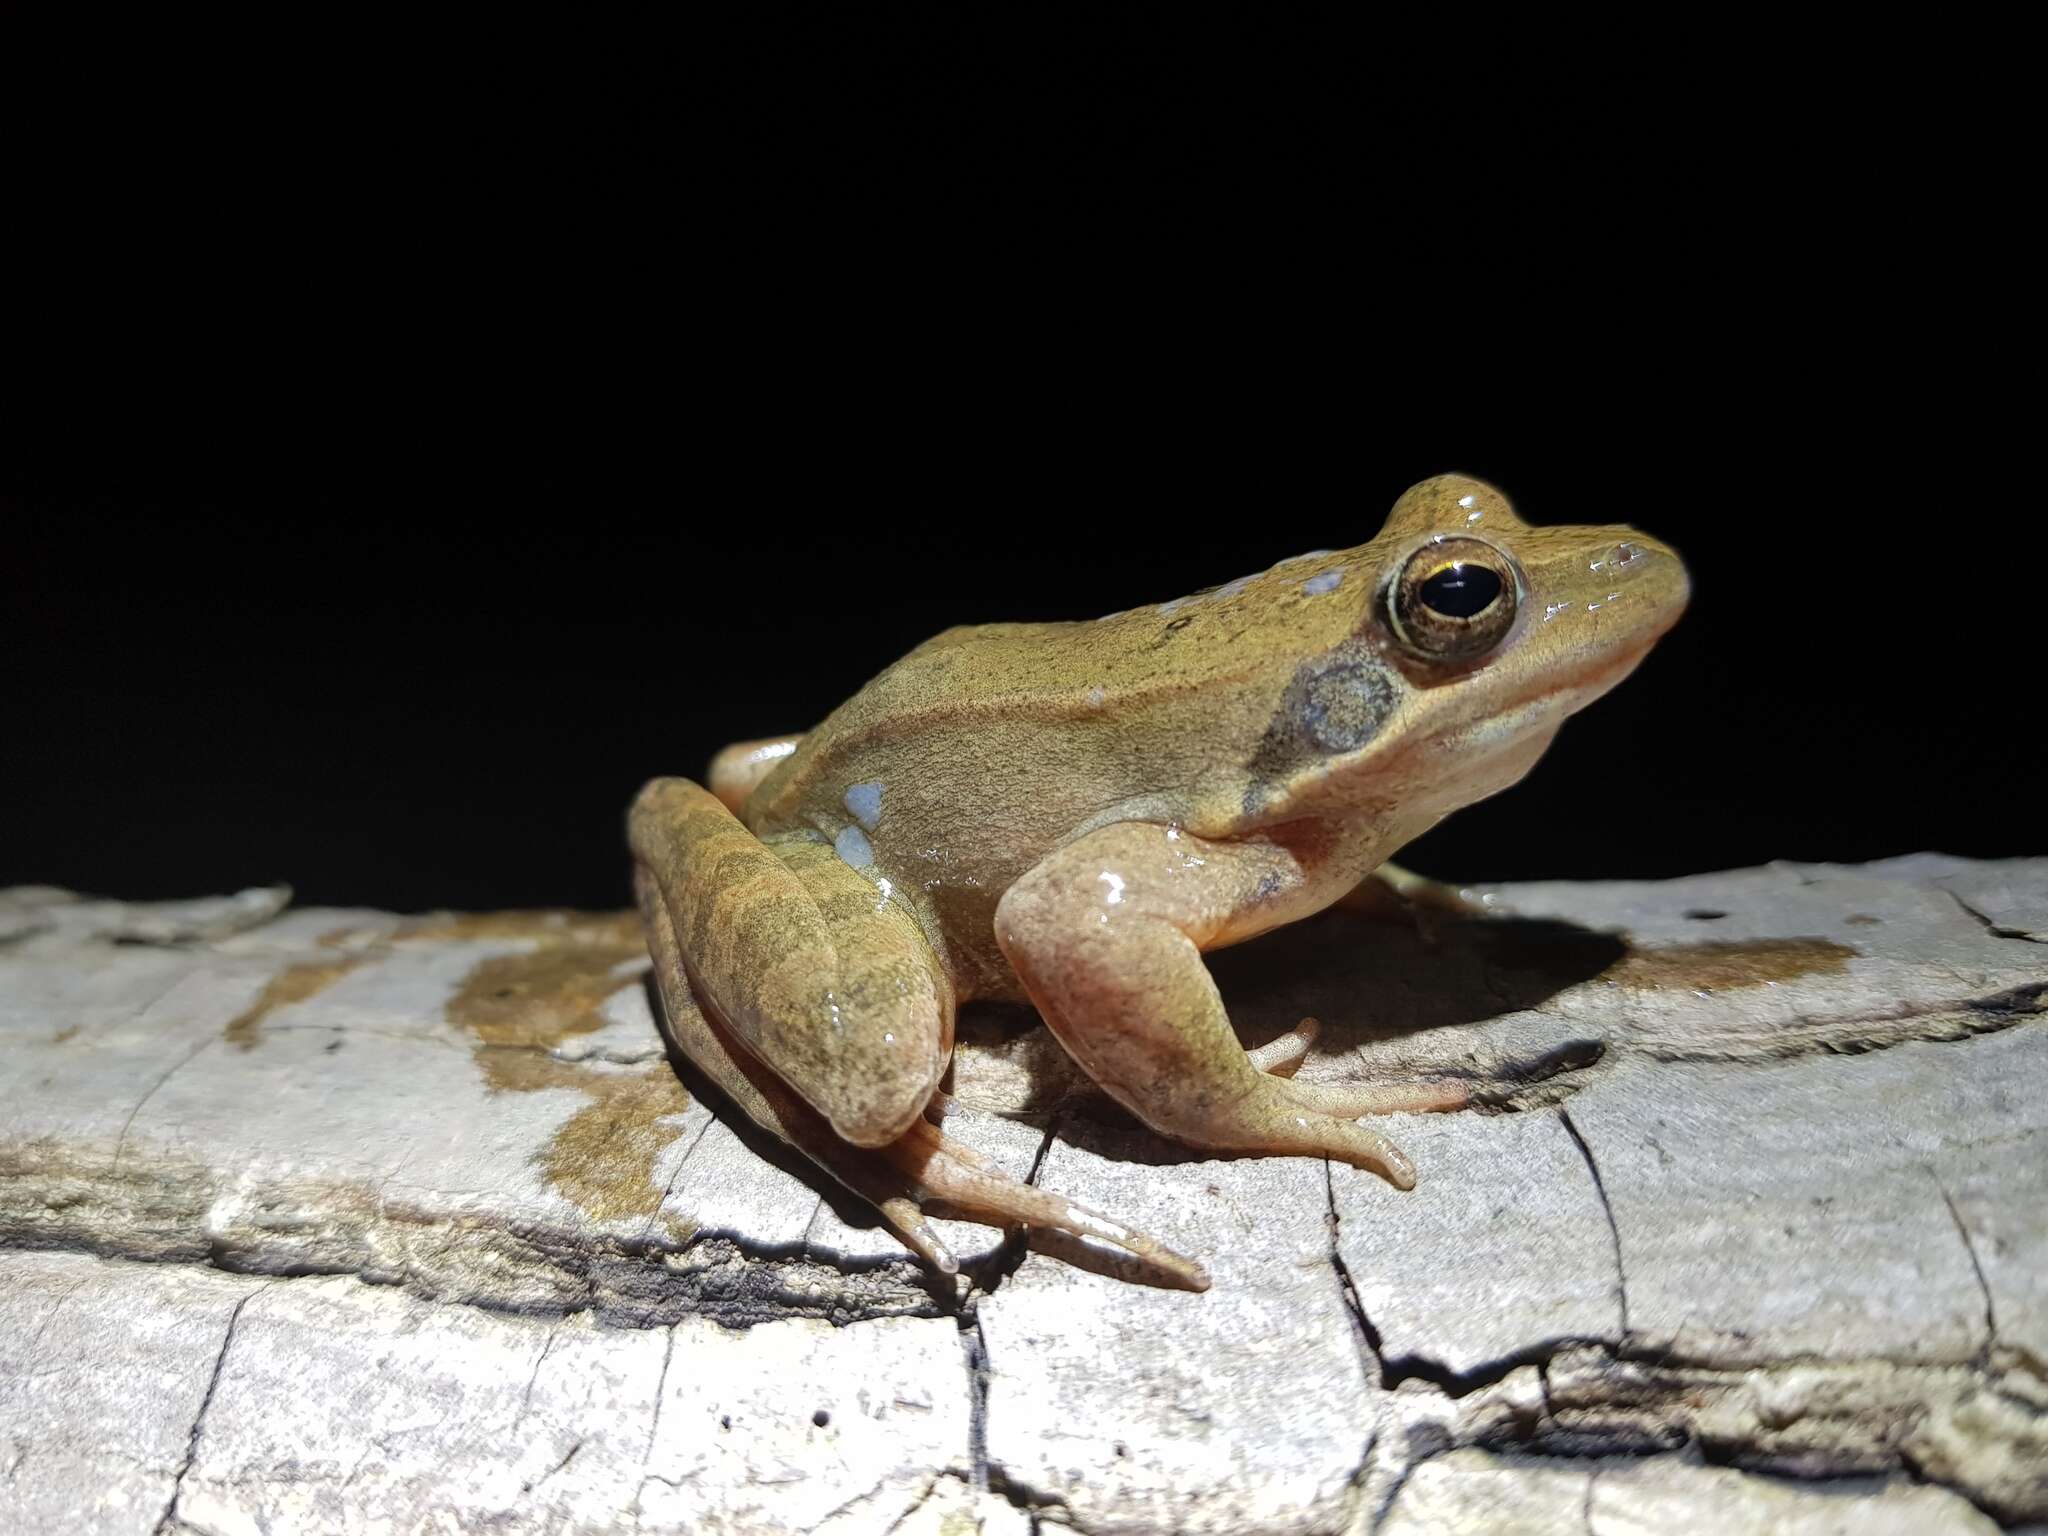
{"x":335,"y":1220}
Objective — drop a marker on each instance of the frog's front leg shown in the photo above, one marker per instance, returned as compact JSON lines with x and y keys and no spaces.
{"x":1107,"y":935}
{"x":823,"y":1015}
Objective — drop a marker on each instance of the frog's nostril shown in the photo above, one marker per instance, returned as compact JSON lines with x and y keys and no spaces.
{"x":1628,"y":558}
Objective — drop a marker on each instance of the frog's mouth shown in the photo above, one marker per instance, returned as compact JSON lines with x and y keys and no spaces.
{"x":1517,"y":733}
{"x":1570,"y":695}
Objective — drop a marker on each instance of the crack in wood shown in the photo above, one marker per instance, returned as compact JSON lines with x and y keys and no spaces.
{"x":654,"y":1426}
{"x":1991,"y":926}
{"x":1607,"y":1209}
{"x":1976,"y":1267}
{"x":220,"y":1360}
{"x":121,"y":1141}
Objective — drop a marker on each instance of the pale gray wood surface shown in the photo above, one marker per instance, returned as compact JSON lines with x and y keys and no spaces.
{"x":333,"y":1220}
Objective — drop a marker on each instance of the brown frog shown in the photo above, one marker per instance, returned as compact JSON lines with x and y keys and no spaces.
{"x":1072,"y":813}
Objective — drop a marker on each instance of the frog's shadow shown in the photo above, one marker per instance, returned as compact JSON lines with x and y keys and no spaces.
{"x":1379,"y":986}
{"x":1383,"y":979}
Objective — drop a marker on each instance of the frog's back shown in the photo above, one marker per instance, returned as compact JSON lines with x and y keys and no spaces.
{"x":1053,"y":728}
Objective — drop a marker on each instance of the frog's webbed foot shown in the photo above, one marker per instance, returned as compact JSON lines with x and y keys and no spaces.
{"x":898,"y":1177}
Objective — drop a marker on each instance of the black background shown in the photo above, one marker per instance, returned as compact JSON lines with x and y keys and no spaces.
{"x":445,"y":450}
{"x":415,"y":700}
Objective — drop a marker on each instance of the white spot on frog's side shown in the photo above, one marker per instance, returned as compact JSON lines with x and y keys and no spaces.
{"x":1328,"y":581}
{"x":1116,"y":887}
{"x":853,"y":847}
{"x":864,"y":803}
{"x":1095,"y":697}
{"x":887,"y":891}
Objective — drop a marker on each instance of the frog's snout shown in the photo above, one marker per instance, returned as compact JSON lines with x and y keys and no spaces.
{"x":1645,"y":568}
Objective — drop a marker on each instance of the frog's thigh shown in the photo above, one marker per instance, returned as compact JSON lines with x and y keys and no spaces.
{"x":1107,"y":935}
{"x":801,"y":959}
{"x":920,"y":1165}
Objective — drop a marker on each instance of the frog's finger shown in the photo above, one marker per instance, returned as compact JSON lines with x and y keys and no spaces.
{"x":1347,"y":1101}
{"x":1283,"y":1055}
{"x":1393,"y":892}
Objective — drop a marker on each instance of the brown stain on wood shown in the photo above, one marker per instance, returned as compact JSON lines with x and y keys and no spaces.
{"x":521,"y":1007}
{"x":619,"y":929}
{"x":294,"y":984}
{"x":1717,"y":966}
{"x":603,"y":1157}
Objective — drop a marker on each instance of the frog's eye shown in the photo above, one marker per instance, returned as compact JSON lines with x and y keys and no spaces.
{"x":1453,"y":600}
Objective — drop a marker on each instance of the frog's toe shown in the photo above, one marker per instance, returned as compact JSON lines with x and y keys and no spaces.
{"x":905,"y":1217}
{"x":942,"y":1173}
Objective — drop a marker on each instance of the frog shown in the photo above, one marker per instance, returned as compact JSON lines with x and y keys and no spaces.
{"x":1072,"y":814}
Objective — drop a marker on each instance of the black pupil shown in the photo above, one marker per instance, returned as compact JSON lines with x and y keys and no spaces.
{"x":1461,"y":591}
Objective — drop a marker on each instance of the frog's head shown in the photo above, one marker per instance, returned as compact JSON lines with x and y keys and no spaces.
{"x":1473,"y":635}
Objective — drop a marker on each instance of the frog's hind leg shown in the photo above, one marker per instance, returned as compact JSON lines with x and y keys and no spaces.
{"x":746,"y":940}
{"x":836,"y":992}
{"x":919,"y":1166}
{"x":737,"y":769}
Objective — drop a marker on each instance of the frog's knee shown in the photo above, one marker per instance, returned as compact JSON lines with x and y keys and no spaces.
{"x":735,"y":771}
{"x":864,"y":1042}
